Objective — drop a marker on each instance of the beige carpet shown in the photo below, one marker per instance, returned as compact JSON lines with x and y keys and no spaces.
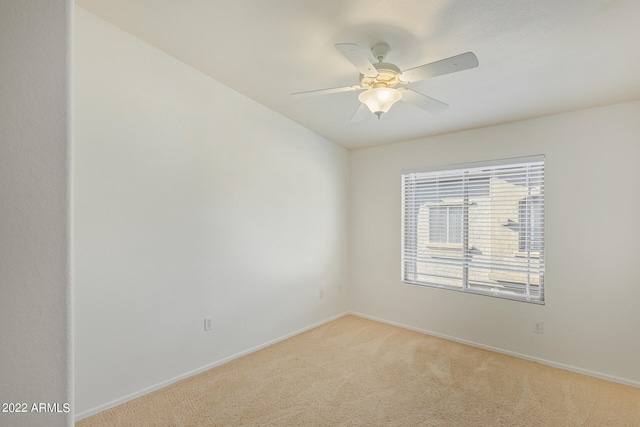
{"x":354,"y":371}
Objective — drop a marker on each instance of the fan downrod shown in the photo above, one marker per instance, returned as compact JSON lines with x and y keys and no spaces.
{"x":380,"y":51}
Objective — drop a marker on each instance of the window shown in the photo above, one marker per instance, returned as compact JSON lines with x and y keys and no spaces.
{"x":476,"y":228}
{"x":445,"y":224}
{"x":529,"y":215}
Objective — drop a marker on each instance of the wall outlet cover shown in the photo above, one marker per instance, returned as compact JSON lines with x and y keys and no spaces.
{"x":538,"y":327}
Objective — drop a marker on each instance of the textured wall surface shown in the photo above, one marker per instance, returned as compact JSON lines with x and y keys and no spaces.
{"x":35,"y":337}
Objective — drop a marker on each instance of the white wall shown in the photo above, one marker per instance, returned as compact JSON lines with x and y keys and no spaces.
{"x":191,"y":200}
{"x":591,"y":317}
{"x":35,"y":135}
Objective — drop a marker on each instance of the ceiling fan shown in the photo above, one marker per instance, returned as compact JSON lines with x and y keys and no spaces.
{"x":379,"y":81}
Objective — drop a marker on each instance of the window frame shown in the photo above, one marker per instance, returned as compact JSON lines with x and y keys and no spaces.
{"x":526,"y":284}
{"x":447,"y":226}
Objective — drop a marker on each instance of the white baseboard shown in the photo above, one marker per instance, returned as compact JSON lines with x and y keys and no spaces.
{"x":551,"y":363}
{"x":147,"y":390}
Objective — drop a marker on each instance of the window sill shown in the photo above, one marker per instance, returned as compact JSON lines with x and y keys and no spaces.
{"x":524,"y":254}
{"x":444,"y":246}
{"x":445,"y":250}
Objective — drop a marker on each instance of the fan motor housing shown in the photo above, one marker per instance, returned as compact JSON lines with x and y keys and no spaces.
{"x":387,"y":76}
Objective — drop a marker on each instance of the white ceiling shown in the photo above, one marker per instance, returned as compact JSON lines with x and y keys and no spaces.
{"x":537,"y":57}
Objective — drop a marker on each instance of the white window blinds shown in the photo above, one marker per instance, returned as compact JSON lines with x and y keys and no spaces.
{"x":476,"y":228}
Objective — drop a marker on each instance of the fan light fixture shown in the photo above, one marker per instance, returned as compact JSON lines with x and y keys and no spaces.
{"x":379,"y":80}
{"x":379,"y":100}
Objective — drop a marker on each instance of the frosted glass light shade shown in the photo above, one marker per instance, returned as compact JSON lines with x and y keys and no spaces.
{"x":380,"y":100}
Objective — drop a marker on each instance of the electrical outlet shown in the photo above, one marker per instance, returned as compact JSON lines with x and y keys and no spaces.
{"x":321,"y":293}
{"x":538,"y":327}
{"x":208,"y":323}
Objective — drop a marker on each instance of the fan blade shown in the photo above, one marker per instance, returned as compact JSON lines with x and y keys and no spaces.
{"x":327,"y":91}
{"x":361,"y":113}
{"x":356,"y":56}
{"x":423,"y":101}
{"x":460,"y":62}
